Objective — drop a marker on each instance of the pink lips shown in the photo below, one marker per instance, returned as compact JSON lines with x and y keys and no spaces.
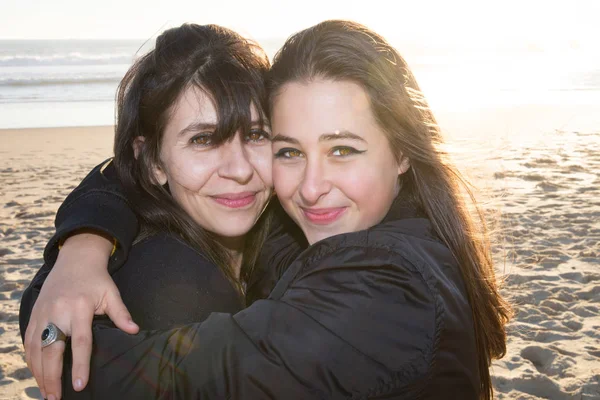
{"x":323,"y":216}
{"x":235,"y":200}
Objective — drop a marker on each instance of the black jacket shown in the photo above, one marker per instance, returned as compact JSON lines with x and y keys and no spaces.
{"x":380,"y":313}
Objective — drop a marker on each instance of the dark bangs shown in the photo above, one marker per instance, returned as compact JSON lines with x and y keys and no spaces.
{"x":234,"y":89}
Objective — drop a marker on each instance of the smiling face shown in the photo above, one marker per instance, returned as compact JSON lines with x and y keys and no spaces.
{"x":333,"y":170}
{"x":223,"y":188}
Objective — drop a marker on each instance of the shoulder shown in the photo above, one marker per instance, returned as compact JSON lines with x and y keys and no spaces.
{"x":389,"y":262}
{"x":409,"y":245}
{"x":166,"y":251}
{"x":375,"y":296}
{"x":167,"y":245}
{"x":387,"y":278}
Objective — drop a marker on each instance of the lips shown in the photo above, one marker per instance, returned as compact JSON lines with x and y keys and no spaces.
{"x":323,"y":216}
{"x":235,"y":200}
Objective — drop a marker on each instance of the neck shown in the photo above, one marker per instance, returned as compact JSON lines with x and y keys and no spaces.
{"x":235,"y":248}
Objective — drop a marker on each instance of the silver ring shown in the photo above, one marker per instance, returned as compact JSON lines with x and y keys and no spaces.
{"x":51,"y":334}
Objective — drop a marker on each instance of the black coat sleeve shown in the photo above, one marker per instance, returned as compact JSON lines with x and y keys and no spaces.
{"x":339,"y":330}
{"x":97,"y":203}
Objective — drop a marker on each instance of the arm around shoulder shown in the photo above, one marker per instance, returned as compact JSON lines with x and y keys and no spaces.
{"x":343,"y":327}
{"x":97,"y":204}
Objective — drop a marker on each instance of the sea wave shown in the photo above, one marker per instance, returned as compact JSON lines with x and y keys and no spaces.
{"x":72,"y":58}
{"x":50,"y":81}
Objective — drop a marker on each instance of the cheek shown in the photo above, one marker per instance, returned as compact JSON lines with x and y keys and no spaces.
{"x":286,"y":180}
{"x":358,"y":182}
{"x":371,"y":186}
{"x":189,"y":171}
{"x":261,"y":159}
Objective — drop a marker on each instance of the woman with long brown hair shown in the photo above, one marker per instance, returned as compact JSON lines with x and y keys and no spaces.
{"x":193,"y":158}
{"x":395,"y":296}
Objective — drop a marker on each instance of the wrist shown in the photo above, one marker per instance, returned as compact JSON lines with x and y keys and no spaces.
{"x":88,"y":243}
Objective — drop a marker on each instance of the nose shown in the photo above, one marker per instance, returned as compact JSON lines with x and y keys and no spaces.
{"x":314,"y":183}
{"x":235,"y":163}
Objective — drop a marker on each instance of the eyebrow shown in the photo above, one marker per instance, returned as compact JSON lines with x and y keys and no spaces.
{"x":200,"y":126}
{"x":340,"y":135}
{"x":197,"y":126}
{"x":323,"y":138}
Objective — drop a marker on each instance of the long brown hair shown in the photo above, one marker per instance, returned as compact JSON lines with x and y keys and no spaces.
{"x":231,"y":70}
{"x":342,"y":50}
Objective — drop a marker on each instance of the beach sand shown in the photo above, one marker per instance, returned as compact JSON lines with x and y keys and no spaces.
{"x":547,"y":193}
{"x":39,"y":169}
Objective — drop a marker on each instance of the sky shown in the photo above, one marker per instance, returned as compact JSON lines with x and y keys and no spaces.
{"x":530,"y":24}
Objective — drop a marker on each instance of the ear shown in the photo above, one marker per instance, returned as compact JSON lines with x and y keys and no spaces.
{"x":159,"y":176}
{"x":138,"y":144}
{"x":403,"y":165}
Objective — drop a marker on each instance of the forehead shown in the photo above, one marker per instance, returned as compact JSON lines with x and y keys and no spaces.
{"x":193,"y":106}
{"x":322,"y":106}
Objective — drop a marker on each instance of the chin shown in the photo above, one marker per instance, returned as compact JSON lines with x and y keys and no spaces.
{"x":236,"y":230}
{"x":318,"y":236}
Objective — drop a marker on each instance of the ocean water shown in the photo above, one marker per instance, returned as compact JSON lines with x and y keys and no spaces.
{"x":49,"y":83}
{"x":61,"y":83}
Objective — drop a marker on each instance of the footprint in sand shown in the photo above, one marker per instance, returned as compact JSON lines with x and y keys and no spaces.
{"x":549,"y":186}
{"x":550,"y":336}
{"x":594,"y":352}
{"x":539,"y":356}
{"x":592,"y":294}
{"x":585,"y":311}
{"x":573,"y":325}
{"x":533,"y":177}
{"x":10,"y":286}
{"x":535,"y":385}
{"x":531,"y":315}
{"x":21,"y":374}
{"x":5,"y":252}
{"x":564,"y":295}
{"x":8,"y":349}
{"x":554,"y":305}
{"x":8,"y":317}
{"x":33,"y":392}
{"x":594,"y":332}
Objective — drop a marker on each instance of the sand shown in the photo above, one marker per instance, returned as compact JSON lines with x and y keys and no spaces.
{"x":39,"y":168}
{"x":547,"y":191}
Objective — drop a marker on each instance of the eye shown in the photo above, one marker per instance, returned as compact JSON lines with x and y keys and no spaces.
{"x":344,"y":151}
{"x":257,"y":136}
{"x":202,"y":139}
{"x":288,"y":152}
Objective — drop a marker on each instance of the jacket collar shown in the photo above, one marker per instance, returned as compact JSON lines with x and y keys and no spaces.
{"x":403,"y":207}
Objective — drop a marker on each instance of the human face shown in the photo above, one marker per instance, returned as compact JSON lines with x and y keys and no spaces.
{"x":334,"y":170}
{"x":223,"y":188}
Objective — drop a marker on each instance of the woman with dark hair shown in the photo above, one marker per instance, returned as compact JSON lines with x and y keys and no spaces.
{"x":395,"y":295}
{"x":192,"y":153}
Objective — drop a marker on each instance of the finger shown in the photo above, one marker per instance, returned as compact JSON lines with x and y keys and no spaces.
{"x":35,"y":360}
{"x":81,"y":346}
{"x":27,"y":341}
{"x":118,"y":313}
{"x":52,"y":363}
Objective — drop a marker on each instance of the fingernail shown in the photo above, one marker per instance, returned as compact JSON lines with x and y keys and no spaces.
{"x":51,"y":397}
{"x":78,"y":384}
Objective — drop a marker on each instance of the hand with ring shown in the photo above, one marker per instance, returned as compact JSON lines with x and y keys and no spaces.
{"x":51,"y":334}
{"x":78,"y":287}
